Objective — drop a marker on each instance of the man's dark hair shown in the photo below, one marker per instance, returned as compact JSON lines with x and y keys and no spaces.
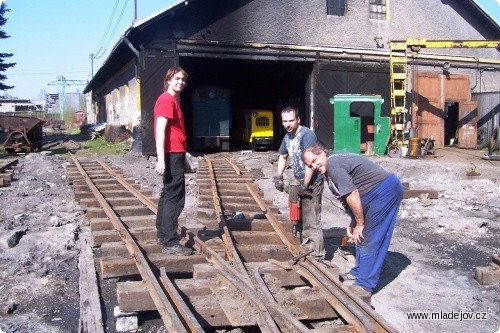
{"x":291,"y":109}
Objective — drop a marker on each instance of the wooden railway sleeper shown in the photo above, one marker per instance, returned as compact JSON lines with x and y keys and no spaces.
{"x":363,"y":324}
{"x":226,"y":235}
{"x":340,"y":302}
{"x":379,"y":323}
{"x":265,"y":320}
{"x":269,"y":310}
{"x":164,"y":306}
{"x":287,"y":319}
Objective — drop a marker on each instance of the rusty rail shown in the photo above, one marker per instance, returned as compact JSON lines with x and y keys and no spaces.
{"x":244,"y":278}
{"x":165,"y":307}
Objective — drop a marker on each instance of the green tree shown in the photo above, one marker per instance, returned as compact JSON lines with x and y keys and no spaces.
{"x":3,"y":65}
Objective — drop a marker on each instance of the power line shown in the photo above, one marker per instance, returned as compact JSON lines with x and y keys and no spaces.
{"x":100,"y":45}
{"x":99,"y":54}
{"x":103,"y":46}
{"x":117,"y":22}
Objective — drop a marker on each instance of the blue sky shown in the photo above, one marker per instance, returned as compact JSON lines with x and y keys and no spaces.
{"x":53,"y":38}
{"x":492,"y":7}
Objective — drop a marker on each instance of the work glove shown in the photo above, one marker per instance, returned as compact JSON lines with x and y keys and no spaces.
{"x":279,"y":183}
{"x":304,"y":191}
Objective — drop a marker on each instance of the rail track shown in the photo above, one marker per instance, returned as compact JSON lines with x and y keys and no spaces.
{"x":249,"y":272}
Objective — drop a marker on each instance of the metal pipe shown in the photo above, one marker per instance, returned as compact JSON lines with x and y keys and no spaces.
{"x":129,"y":44}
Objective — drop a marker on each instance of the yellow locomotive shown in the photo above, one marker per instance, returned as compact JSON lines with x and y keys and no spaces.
{"x":253,"y":127}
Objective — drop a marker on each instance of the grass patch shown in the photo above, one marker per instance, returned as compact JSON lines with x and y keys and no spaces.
{"x":100,"y":147}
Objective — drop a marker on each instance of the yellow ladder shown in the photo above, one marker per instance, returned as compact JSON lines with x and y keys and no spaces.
{"x":398,"y":66}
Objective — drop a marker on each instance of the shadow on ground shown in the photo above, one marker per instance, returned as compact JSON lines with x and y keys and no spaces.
{"x":394,"y":263}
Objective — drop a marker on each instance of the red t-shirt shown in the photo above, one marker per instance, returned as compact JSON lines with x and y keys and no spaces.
{"x":175,"y":133}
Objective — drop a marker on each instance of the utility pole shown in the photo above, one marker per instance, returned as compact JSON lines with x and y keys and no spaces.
{"x":91,"y":66}
{"x":135,"y":10}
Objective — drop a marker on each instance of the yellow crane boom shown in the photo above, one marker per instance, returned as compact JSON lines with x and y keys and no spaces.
{"x":398,"y":73}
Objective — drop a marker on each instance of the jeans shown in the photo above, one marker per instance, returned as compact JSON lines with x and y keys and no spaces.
{"x":172,"y":199}
{"x":311,"y":218}
{"x":380,"y":209}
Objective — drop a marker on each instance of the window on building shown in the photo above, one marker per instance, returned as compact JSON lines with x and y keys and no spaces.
{"x":335,"y":7}
{"x":378,"y":9}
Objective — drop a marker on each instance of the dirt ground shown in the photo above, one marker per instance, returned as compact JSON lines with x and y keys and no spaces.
{"x":430,"y":267}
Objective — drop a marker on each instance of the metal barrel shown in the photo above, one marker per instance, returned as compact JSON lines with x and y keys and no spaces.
{"x":414,"y":149}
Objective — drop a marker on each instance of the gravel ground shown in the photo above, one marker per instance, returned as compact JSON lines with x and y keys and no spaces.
{"x":436,"y":247}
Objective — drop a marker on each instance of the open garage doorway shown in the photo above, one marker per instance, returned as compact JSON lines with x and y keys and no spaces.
{"x":450,"y":123}
{"x":252,"y":84}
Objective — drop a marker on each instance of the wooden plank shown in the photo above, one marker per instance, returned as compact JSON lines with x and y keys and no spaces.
{"x":122,"y":267}
{"x":263,"y":252}
{"x":107,"y":194}
{"x":233,"y":185}
{"x":286,"y":278}
{"x":113,"y":250}
{"x":99,"y":182}
{"x":416,"y":193}
{"x":104,"y":236}
{"x":307,"y":303}
{"x":116,"y":267}
{"x":256,"y":237}
{"x":90,"y":306}
{"x":130,"y":221}
{"x":93,"y":212}
{"x":250,"y":209}
{"x":130,"y":201}
{"x":237,"y":313}
{"x":7,"y":176}
{"x":104,"y":186}
{"x":228,"y":199}
{"x":256,"y":225}
{"x":241,"y":192}
{"x":118,"y":193}
{"x":495,"y":259}
{"x":208,"y":312}
{"x":487,"y":276}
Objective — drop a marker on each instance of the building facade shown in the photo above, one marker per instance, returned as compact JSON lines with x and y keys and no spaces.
{"x":271,"y":54}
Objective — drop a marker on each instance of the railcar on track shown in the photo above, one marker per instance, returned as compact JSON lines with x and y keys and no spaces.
{"x":253,"y":128}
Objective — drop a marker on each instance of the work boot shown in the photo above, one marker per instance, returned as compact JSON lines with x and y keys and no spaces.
{"x":177,"y":250}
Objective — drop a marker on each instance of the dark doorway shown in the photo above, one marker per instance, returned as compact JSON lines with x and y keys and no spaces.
{"x":365,"y":112}
{"x":450,"y":122}
{"x":253,"y":84}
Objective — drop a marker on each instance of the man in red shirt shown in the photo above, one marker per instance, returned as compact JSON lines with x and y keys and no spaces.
{"x":170,"y":136}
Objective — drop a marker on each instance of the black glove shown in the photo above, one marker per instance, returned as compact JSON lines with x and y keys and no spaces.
{"x":304,"y":191}
{"x":279,"y":183}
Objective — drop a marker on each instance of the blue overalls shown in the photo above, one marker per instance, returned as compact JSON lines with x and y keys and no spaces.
{"x":380,"y":209}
